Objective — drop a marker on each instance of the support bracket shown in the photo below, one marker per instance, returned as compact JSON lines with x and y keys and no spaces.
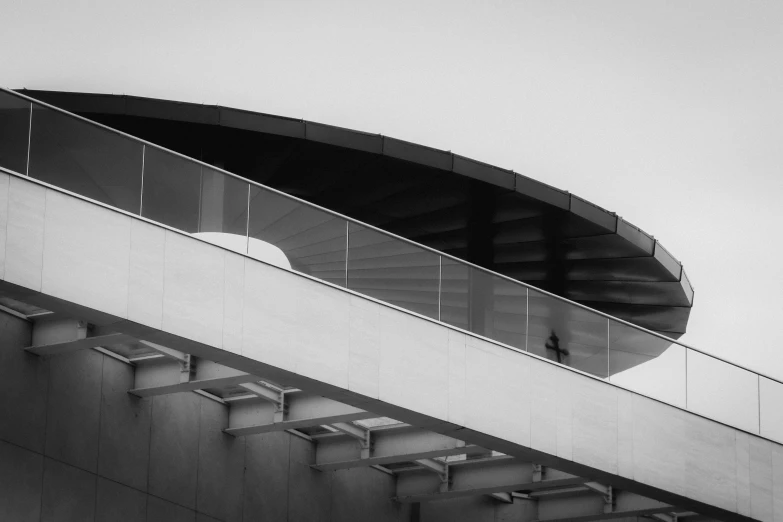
{"x":441,"y":468}
{"x":362,"y":435}
{"x":270,"y":393}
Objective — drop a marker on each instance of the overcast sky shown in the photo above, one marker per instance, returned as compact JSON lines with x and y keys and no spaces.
{"x":669,"y":113}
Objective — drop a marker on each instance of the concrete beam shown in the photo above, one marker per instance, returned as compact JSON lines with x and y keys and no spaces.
{"x":436,"y":466}
{"x":65,"y":335}
{"x":506,"y":497}
{"x":164,"y":351}
{"x":587,"y":507}
{"x":484,"y":477}
{"x":264,"y":392}
{"x":166,"y":376}
{"x":303,"y":410}
{"x":390,"y":444}
{"x":79,"y":344}
{"x":352,"y":430}
{"x":191,"y":386}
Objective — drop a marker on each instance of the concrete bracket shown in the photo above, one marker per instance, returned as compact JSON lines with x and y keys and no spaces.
{"x":504,"y":497}
{"x":538,"y":472}
{"x":439,"y":467}
{"x":269,"y":393}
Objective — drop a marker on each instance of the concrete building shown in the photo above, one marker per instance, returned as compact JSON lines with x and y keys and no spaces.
{"x":234,"y":316}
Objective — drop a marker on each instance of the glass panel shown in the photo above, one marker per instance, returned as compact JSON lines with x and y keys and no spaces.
{"x":191,"y":197}
{"x":393,"y":271}
{"x":85,"y":159}
{"x":485,"y":304}
{"x":647,"y":364}
{"x":454,"y":300}
{"x":172,"y":190}
{"x":567,"y":334}
{"x":723,"y":392}
{"x":14,"y":125}
{"x":222,"y":218}
{"x":288,"y":233}
{"x":497,"y":308}
{"x":771,"y":394}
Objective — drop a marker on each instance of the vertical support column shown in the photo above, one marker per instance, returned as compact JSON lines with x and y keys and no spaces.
{"x":211,"y":214}
{"x":538,"y":472}
{"x":187,"y":368}
{"x":347,"y":248}
{"x":141,"y":195}
{"x":555,"y":253}
{"x":440,"y":286}
{"x":29,"y":139}
{"x":480,"y":251}
{"x":247,"y":221}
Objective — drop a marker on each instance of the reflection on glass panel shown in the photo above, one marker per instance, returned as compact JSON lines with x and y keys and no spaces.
{"x":172,"y":190}
{"x":222,"y":217}
{"x":393,"y":271}
{"x":14,"y":124}
{"x":497,"y":308}
{"x":723,"y":392}
{"x":646,"y":363}
{"x":312,"y":241}
{"x":485,"y":304}
{"x":85,"y":159}
{"x":568,"y":334}
{"x":771,"y":394}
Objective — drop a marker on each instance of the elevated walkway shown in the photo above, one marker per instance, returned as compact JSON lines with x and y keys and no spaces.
{"x":283,"y":350}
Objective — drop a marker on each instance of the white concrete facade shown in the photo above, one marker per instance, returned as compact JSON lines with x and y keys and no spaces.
{"x":67,"y":254}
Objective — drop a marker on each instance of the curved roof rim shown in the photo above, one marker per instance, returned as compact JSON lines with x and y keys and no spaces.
{"x":371,"y":143}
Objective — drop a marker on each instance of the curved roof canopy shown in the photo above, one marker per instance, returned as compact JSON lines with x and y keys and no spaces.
{"x":489,"y":216}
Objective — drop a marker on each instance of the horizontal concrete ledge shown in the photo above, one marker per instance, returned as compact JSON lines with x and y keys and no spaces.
{"x":191,"y":385}
{"x":79,"y":344}
{"x":296,"y":424}
{"x":521,"y":486}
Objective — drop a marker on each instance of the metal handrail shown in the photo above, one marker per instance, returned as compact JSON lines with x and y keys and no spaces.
{"x":387,"y":233}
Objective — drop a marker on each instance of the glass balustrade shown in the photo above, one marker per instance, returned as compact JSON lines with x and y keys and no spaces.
{"x":83,"y":158}
{"x":568,"y":334}
{"x":398,"y":272}
{"x":312,"y":240}
{"x":14,"y":132}
{"x":648,"y":364}
{"x":90,"y":160}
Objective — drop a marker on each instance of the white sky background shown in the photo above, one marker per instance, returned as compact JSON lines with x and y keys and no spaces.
{"x":669,"y":113}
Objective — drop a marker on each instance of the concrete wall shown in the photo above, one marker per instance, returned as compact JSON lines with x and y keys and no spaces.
{"x":61,"y":252}
{"x":74,"y":446}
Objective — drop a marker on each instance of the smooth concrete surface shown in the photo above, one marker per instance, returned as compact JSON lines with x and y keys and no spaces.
{"x":299,"y":332}
{"x":159,"y":459}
